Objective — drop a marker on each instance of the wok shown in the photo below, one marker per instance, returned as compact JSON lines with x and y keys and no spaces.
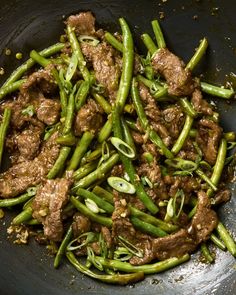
{"x":27,"y":25}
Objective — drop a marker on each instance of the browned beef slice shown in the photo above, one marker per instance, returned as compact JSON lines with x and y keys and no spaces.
{"x":107,"y":236}
{"x":121,"y":225}
{"x":152,"y":171}
{"x":208,"y":137}
{"x":205,"y":219}
{"x":174,"y":245}
{"x":106,"y":63}
{"x":199,"y":104}
{"x":89,"y":118}
{"x":222,"y":196}
{"x":83,"y":23}
{"x":25,"y":174}
{"x":174,"y":120}
{"x":41,"y":80}
{"x":154,"y":114}
{"x":48,"y":111}
{"x":81,"y":224}
{"x":48,"y":204}
{"x":28,"y":142}
{"x":144,"y":243}
{"x":173,"y":69}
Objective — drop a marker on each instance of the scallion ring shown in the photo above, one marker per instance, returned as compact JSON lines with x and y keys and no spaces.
{"x":121,"y":185}
{"x":72,"y":67}
{"x":123,"y":147}
{"x":91,"y":40}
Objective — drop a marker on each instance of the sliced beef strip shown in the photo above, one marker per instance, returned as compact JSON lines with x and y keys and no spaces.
{"x":154,"y":114}
{"x":199,"y":104}
{"x":83,"y":23}
{"x":205,"y":219}
{"x":121,"y":225}
{"x":89,"y":118}
{"x":170,"y":66}
{"x":144,"y":243}
{"x":105,"y":231}
{"x":208,"y":137}
{"x":222,"y":196}
{"x":40,"y":81}
{"x":28,"y":142}
{"x":21,"y":176}
{"x":174,"y":120}
{"x":81,"y":224}
{"x":174,"y":245}
{"x":48,"y":111}
{"x":107,"y":66}
{"x":47,"y":206}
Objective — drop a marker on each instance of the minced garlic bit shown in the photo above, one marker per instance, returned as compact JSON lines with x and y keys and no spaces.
{"x":7,"y":51}
{"x":2,"y":71}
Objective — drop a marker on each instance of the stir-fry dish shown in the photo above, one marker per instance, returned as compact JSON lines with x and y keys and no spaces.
{"x":116,"y":159}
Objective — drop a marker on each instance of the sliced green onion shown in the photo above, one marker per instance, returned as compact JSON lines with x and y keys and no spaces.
{"x":169,"y":210}
{"x":130,"y":247}
{"x":146,"y":180}
{"x":121,"y":185}
{"x":90,"y":237}
{"x":122,"y":254}
{"x":90,"y":204}
{"x":91,"y":40}
{"x":123,"y":147}
{"x":92,"y":258}
{"x":182,"y":164}
{"x":105,"y":153}
{"x":29,"y":111}
{"x":182,"y":173}
{"x":181,"y":194}
{"x":72,"y":67}
{"x":31,"y":191}
{"x":231,"y":145}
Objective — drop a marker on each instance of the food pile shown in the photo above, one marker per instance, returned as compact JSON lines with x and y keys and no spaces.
{"x":115,"y":156}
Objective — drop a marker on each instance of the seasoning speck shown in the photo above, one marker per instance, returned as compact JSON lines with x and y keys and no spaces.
{"x":195,"y":17}
{"x":2,"y":71}
{"x":161,"y":15}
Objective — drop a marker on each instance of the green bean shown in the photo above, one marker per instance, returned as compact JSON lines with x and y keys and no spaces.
{"x":217,"y":91}
{"x":102,"y":102}
{"x":82,"y":94}
{"x":107,"y":221}
{"x":127,"y":135}
{"x":99,"y":201}
{"x":68,"y":140}
{"x":160,"y":90}
{"x":106,"y":130}
{"x":187,"y":107}
{"x":192,"y":212}
{"x":198,"y":54}
{"x":39,"y":59}
{"x":24,"y":216}
{"x":113,"y":41}
{"x":200,"y":173}
{"x":183,"y":135}
{"x":193,"y":132}
{"x":32,"y":221}
{"x":206,"y":253}
{"x":15,"y":201}
{"x":147,"y":218}
{"x":226,"y":238}
{"x":148,"y":157}
{"x":147,"y":227}
{"x":146,"y":268}
{"x":69,"y":115}
{"x":92,"y":156}
{"x":11,"y":88}
{"x":158,"y":34}
{"x":127,"y":66}
{"x":18,"y":73}
{"x":3,"y":130}
{"x":101,"y":192}
{"x":217,"y":242}
{"x":119,"y":279}
{"x":131,"y":123}
{"x":59,"y":164}
{"x":80,"y":150}
{"x":98,"y":173}
{"x":154,"y":137}
{"x":85,"y":170}
{"x":148,"y":42}
{"x":77,"y":50}
{"x":219,"y":165}
{"x":62,"y":249}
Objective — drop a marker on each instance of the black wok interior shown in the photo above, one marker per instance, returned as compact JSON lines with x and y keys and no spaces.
{"x":27,"y":25}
